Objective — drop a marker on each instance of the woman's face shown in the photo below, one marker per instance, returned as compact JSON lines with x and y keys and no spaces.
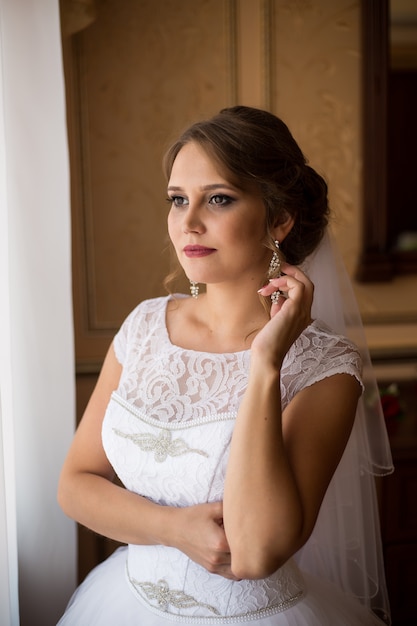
{"x":216,"y":226}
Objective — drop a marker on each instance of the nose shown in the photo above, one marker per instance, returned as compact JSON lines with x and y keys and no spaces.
{"x":193,"y":219}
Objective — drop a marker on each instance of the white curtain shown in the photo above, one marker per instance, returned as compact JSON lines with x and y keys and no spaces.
{"x":37,"y":542}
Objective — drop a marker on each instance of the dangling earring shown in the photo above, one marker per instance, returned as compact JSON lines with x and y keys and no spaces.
{"x":274,"y":271}
{"x":194,"y":287}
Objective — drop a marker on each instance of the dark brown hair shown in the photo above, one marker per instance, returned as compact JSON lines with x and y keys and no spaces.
{"x":256,"y":146}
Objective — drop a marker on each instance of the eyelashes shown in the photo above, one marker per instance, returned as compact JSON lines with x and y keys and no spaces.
{"x":224,"y":199}
{"x":177,"y":200}
{"x":216,"y":200}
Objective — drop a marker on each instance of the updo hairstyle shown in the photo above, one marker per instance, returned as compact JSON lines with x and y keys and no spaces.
{"x":256,"y":146}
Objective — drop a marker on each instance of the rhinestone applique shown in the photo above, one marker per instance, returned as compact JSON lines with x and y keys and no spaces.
{"x":166,"y":597}
{"x":163,"y":445}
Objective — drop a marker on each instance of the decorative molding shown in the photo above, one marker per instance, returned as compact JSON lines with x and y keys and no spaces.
{"x":375,"y":263}
{"x":254,"y":58}
{"x":86,"y":234}
{"x":269,"y":70}
{"x":231,"y":18}
{"x":77,"y":15}
{"x":95,"y":322}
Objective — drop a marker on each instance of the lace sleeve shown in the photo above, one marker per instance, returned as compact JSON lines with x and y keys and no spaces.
{"x":143,"y":320}
{"x":121,"y":339}
{"x":317,"y":354}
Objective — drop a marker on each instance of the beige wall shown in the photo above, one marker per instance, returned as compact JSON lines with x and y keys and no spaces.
{"x":146,"y":69}
{"x":318,"y":93}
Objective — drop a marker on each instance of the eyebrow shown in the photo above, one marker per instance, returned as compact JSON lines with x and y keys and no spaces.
{"x":207,"y":187}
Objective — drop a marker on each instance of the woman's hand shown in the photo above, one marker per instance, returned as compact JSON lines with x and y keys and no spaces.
{"x":289,"y":316}
{"x":202,"y":538}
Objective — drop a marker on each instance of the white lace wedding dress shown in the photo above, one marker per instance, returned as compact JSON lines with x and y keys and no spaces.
{"x":167,"y":433}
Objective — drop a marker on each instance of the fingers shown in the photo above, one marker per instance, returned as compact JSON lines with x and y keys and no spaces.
{"x":218,"y":556}
{"x":290,"y":314}
{"x":291,"y":284}
{"x":205,"y":540}
{"x":220,"y":563}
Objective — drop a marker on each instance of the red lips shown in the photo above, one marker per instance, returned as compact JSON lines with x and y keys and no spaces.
{"x":193,"y":251}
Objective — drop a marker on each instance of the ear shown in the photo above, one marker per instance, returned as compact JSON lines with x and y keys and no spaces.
{"x":281,"y":230}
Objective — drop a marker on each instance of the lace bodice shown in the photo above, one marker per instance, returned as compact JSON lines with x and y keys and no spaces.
{"x":167,"y":433}
{"x":173,"y":384}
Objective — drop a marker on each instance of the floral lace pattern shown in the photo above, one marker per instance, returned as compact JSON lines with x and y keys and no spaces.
{"x":173,"y":384}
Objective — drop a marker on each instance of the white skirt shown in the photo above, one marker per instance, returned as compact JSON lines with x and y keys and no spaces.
{"x":105,"y":599}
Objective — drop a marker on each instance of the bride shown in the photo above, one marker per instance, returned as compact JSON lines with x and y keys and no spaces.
{"x":233,"y":417}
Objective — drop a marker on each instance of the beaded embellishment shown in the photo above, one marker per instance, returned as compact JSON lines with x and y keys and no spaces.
{"x":166,"y":597}
{"x":163,"y":445}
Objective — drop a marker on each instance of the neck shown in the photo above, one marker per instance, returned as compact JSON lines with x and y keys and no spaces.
{"x":224,"y":319}
{"x":231,"y":313}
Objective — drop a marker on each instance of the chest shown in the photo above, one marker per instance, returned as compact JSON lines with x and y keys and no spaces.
{"x":171,"y":464}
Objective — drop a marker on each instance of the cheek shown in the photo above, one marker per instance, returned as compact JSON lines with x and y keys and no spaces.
{"x":252,"y":223}
{"x":171,"y":226}
{"x":250,"y":230}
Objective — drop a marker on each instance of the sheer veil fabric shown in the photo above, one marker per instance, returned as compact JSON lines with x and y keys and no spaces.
{"x":346,"y":546}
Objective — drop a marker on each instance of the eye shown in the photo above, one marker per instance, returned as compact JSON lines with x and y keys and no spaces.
{"x":177,"y":200}
{"x":220,"y":200}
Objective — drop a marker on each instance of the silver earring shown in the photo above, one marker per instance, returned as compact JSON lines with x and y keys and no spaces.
{"x":274,"y":271}
{"x":194,"y":288}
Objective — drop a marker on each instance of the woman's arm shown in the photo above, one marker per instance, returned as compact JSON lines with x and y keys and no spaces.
{"x":87,"y":494}
{"x":281,"y":464}
{"x":86,"y":491}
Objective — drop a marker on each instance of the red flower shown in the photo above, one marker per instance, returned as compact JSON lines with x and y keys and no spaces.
{"x":390,"y":406}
